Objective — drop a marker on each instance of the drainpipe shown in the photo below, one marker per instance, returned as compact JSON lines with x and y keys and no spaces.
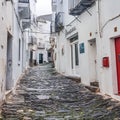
{"x":98,"y":41}
{"x":98,"y":18}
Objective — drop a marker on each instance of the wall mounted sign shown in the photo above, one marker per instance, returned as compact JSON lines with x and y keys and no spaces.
{"x":73,"y":38}
{"x":67,"y":32}
{"x":82,"y":48}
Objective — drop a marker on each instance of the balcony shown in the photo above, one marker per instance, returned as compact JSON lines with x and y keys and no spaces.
{"x":25,"y":23}
{"x":59,"y":25}
{"x":24,"y":1}
{"x":81,"y":6}
{"x":24,"y":9}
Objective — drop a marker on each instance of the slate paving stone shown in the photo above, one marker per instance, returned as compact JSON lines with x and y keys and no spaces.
{"x":44,"y":94}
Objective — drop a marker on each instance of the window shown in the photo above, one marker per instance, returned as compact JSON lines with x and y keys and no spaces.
{"x":24,"y":1}
{"x":49,"y":54}
{"x":72,"y":56}
{"x":19,"y":50}
{"x":62,"y":50}
{"x":76,"y":54}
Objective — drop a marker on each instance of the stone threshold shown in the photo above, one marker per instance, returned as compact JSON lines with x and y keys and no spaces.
{"x":93,"y":88}
{"x":74,"y":78}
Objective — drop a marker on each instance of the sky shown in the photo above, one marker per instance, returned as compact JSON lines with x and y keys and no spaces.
{"x":43,"y":7}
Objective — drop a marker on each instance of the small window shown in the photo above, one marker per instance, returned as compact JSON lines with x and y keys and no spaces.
{"x":19,"y":50}
{"x":76,"y":54}
{"x":49,"y":54}
{"x":72,"y":56}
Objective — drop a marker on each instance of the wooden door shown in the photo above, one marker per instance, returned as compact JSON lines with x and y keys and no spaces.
{"x":117,"y":50}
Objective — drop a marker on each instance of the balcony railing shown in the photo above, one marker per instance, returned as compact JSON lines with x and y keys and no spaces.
{"x":59,"y":25}
{"x":24,"y":1}
{"x":24,"y":9}
{"x":81,"y":6}
{"x":51,"y":28}
{"x":25,"y":23}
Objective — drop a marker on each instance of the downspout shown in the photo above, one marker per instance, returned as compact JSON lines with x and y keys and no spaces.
{"x":99,"y":18}
{"x":98,"y":44}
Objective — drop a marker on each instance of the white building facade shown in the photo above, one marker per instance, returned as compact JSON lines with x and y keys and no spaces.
{"x":43,"y":37}
{"x":38,"y":42}
{"x":14,"y":18}
{"x":88,"y":42}
{"x":3,"y":49}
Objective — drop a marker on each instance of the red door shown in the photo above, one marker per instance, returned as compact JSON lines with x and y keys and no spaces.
{"x":117,"y":49}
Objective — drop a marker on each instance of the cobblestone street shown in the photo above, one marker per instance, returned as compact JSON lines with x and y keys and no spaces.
{"x":43,"y":94}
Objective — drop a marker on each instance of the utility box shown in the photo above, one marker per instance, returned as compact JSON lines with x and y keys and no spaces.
{"x":105,"y":61}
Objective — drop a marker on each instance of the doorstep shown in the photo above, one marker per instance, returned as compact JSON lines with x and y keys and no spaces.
{"x":7,"y":94}
{"x":116,"y":97}
{"x":93,"y":88}
{"x":95,"y":83}
{"x":74,"y":78}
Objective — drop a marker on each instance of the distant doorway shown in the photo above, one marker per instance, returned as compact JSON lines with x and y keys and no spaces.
{"x":9,"y":82}
{"x":40,"y":58}
{"x":92,"y":53}
{"x":74,"y":58}
{"x":31,"y":58}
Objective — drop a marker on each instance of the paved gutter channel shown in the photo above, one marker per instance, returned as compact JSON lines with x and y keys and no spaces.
{"x":43,"y":94}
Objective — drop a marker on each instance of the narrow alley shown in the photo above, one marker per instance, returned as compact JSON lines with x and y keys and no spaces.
{"x":43,"y":94}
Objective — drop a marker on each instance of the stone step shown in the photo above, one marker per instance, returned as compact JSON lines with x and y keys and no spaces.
{"x":96,"y":84}
{"x":93,"y":88}
{"x":75,"y":78}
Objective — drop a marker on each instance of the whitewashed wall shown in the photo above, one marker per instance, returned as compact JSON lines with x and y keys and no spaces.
{"x":43,"y":37}
{"x":109,"y":21}
{"x":3,"y":48}
{"x":101,"y":24}
{"x":84,"y":28}
{"x":17,"y":64}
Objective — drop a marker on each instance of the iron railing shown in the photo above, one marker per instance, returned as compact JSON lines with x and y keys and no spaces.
{"x":80,"y":7}
{"x":23,"y":1}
